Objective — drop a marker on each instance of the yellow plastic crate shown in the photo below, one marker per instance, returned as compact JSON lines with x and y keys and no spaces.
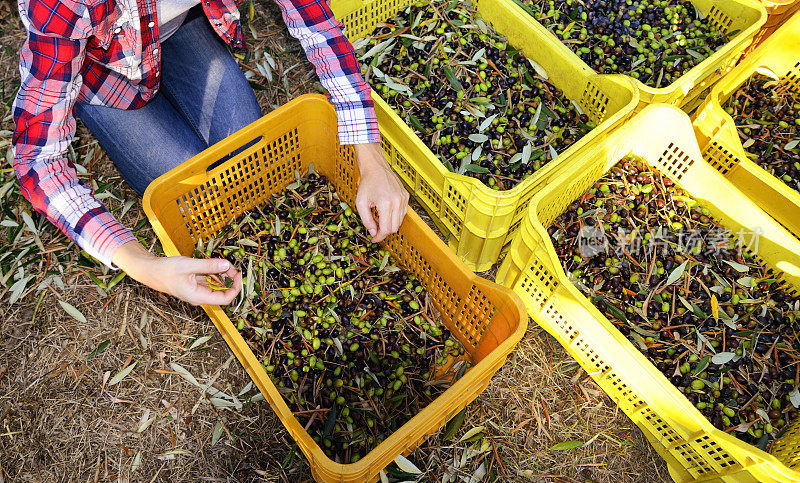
{"x":693,"y":449}
{"x":720,"y":142}
{"x":744,"y":16}
{"x":195,"y":200}
{"x":779,"y":11}
{"x":479,"y":221}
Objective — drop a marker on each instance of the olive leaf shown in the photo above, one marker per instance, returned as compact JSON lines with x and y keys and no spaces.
{"x":474,"y":168}
{"x":539,"y":69}
{"x":404,"y":464}
{"x":199,"y":341}
{"x":677,"y":273}
{"x":701,"y":366}
{"x":451,"y":78}
{"x":794,"y":398}
{"x":184,"y":373}
{"x":486,"y":122}
{"x":738,"y":266}
{"x":72,"y":311}
{"x":526,"y":154}
{"x":137,"y":461}
{"x":566,"y":445}
{"x":454,"y":425}
{"x":379,"y":47}
{"x":715,"y":307}
{"x":119,"y":376}
{"x":553,"y":152}
{"x":99,"y":349}
{"x":472,"y":432}
{"x":478,"y":138}
{"x":723,"y":358}
{"x":217,"y":433}
{"x":476,"y":153}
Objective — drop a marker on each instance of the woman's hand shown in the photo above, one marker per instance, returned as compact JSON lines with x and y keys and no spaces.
{"x":182,"y":277}
{"x":379,"y":188}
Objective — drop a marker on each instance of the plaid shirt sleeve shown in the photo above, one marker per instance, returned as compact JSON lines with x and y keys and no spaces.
{"x":320,"y":34}
{"x":50,"y":63}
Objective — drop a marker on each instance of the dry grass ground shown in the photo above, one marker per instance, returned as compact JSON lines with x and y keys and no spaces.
{"x":68,"y":414}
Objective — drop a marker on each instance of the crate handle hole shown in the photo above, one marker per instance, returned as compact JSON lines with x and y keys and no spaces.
{"x":789,"y":268}
{"x":216,"y":164}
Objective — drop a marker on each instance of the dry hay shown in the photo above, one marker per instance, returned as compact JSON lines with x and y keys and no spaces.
{"x":62,"y":419}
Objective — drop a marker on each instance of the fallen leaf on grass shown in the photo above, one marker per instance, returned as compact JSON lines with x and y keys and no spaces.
{"x":454,"y":425}
{"x":217,"y":433}
{"x":199,"y":341}
{"x":137,"y":461}
{"x":565,"y":445}
{"x":100,"y":348}
{"x":184,"y":373}
{"x":472,"y":432}
{"x":72,"y":311}
{"x":146,"y":421}
{"x":122,"y":374}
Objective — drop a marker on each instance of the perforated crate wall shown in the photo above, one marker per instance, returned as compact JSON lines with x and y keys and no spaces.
{"x":240,"y":186}
{"x":594,"y":102}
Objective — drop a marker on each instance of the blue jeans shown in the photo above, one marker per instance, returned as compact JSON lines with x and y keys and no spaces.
{"x":204,"y":97}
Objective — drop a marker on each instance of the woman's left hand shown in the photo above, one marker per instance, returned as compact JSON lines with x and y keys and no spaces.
{"x":379,"y":188}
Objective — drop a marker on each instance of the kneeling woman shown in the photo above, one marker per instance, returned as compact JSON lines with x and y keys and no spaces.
{"x":154,"y":81}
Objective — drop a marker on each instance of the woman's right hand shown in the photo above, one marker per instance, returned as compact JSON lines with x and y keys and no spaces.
{"x":181,"y":277}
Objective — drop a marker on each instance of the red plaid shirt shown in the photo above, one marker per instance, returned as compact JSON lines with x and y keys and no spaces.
{"x":106,"y":52}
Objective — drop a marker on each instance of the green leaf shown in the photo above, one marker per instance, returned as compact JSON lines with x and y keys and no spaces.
{"x":199,"y":341}
{"x":472,"y":432}
{"x":478,"y":138}
{"x":794,"y":398}
{"x":18,"y":288}
{"x":404,"y":464}
{"x":330,"y":422}
{"x":416,"y":124}
{"x":454,"y":425}
{"x":217,"y":433}
{"x":738,"y":266}
{"x":72,"y":311}
{"x":99,"y":349}
{"x":474,"y":168}
{"x":701,"y":366}
{"x":96,"y":280}
{"x":184,"y":373}
{"x":118,"y":377}
{"x":615,"y":311}
{"x":565,"y":445}
{"x":451,"y":77}
{"x":677,"y":273}
{"x":486,"y":122}
{"x":723,"y":358}
{"x":114,"y":281}
{"x":384,"y":262}
{"x":255,"y":85}
{"x":26,"y":217}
